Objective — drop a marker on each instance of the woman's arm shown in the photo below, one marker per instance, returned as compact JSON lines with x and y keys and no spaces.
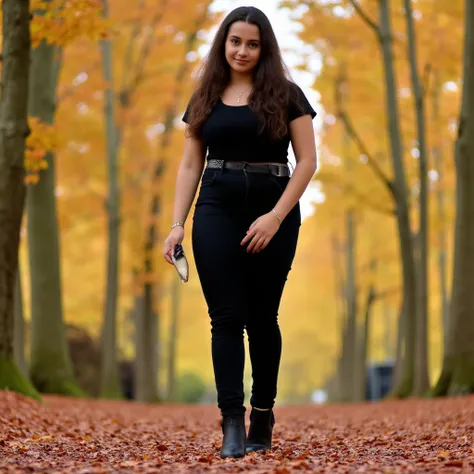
{"x":187,"y":180}
{"x":265,"y":227}
{"x":302,"y":139}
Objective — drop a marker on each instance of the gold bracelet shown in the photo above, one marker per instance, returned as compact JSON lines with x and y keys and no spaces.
{"x":276,"y":214}
{"x":177,"y":224}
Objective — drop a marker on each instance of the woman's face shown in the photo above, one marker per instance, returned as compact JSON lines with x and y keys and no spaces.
{"x":242,"y":47}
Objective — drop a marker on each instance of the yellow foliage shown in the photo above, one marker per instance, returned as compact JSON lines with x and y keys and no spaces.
{"x":41,"y":140}
{"x":64,"y":21}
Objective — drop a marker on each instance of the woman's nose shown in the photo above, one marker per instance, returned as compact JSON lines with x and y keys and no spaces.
{"x":243,"y":51}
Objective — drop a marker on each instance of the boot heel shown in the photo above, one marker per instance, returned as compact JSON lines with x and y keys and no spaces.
{"x":260,"y":431}
{"x":233,"y":443}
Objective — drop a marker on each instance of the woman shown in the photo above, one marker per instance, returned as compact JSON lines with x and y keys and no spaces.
{"x":244,"y":114}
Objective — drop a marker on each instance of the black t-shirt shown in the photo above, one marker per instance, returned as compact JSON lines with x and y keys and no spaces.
{"x":232,"y":132}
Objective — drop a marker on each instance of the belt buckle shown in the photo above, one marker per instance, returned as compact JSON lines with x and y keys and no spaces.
{"x":278,"y":171}
{"x":216,"y":163}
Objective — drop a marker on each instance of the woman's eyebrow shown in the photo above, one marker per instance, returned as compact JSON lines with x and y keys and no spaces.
{"x":239,"y":38}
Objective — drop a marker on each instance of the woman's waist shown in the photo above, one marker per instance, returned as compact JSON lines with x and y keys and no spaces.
{"x":248,"y":156}
{"x":261,"y":167}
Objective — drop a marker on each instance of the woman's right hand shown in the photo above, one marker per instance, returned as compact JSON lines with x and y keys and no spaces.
{"x":175,"y":237}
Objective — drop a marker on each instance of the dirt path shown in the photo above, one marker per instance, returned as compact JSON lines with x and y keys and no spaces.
{"x":78,"y":436}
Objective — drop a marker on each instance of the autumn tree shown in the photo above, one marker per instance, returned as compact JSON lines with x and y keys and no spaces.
{"x":457,"y":376}
{"x":384,"y":35}
{"x":55,"y":24}
{"x":420,"y":371}
{"x":110,"y":386}
{"x":13,"y":133}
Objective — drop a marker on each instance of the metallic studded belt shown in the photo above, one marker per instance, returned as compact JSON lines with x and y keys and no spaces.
{"x":276,"y":170}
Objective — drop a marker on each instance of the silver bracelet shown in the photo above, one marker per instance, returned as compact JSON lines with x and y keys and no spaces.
{"x":177,"y":224}
{"x":276,"y":214}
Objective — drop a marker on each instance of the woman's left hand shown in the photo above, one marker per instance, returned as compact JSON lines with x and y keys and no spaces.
{"x":261,"y":232}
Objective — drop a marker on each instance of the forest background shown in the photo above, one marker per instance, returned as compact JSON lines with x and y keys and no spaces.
{"x":121,"y":84}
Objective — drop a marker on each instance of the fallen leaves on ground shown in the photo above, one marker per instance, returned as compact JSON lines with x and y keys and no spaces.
{"x":66,"y":435}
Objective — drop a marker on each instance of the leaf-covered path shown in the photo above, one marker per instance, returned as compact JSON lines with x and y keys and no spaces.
{"x":82,"y":436}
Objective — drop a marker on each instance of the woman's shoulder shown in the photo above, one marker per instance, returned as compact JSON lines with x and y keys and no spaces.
{"x":293,"y":86}
{"x":298,"y":104}
{"x":189,"y":106}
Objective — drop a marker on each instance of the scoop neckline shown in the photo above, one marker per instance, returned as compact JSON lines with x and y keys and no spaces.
{"x":232,"y":106}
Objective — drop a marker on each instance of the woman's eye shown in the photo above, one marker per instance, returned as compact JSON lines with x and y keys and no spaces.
{"x":254,"y":45}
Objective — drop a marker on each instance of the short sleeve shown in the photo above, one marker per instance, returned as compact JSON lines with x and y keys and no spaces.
{"x":299,"y":104}
{"x":185,"y":118}
{"x":187,"y":112}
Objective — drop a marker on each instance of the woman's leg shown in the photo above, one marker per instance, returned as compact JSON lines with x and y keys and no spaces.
{"x":266,"y":278}
{"x":218,"y":257}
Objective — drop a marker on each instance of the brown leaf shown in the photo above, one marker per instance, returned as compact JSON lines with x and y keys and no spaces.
{"x":78,"y":436}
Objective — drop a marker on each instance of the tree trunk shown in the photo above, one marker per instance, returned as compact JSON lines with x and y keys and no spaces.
{"x":457,"y":376}
{"x":145,"y":349}
{"x":147,"y":330}
{"x":173,"y":340}
{"x":13,"y":132}
{"x":441,"y":213}
{"x":421,"y":380}
{"x":50,"y":363}
{"x":19,"y":327}
{"x":339,"y":284}
{"x":344,"y":366}
{"x":341,"y":308}
{"x":110,"y":385}
{"x":387,"y":311}
{"x":351,"y":299}
{"x":400,"y":349}
{"x":405,"y":386}
{"x":360,"y":365}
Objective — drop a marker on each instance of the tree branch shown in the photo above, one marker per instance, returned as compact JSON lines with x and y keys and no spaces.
{"x":127,"y":64}
{"x":362,"y":198}
{"x":365,"y":200}
{"x":357,"y":139}
{"x":371,"y":23}
{"x":128,"y":89}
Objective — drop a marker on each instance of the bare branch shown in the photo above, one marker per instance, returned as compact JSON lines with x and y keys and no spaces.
{"x":371,"y":23}
{"x":363,"y":198}
{"x":129,"y":88}
{"x":369,"y":203}
{"x":127,"y":64}
{"x":340,"y":112}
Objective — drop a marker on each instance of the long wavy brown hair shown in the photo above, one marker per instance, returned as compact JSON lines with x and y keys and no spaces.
{"x":271,"y":79}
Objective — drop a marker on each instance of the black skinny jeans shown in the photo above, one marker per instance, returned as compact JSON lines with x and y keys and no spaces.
{"x":242,"y":290}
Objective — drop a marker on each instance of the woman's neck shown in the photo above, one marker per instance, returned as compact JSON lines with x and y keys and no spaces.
{"x":240,"y":80}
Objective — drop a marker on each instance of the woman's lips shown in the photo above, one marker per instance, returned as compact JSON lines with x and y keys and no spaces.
{"x":241,"y":61}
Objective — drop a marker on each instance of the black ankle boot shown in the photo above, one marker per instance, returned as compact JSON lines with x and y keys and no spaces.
{"x":233,"y":444}
{"x":260,"y":431}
